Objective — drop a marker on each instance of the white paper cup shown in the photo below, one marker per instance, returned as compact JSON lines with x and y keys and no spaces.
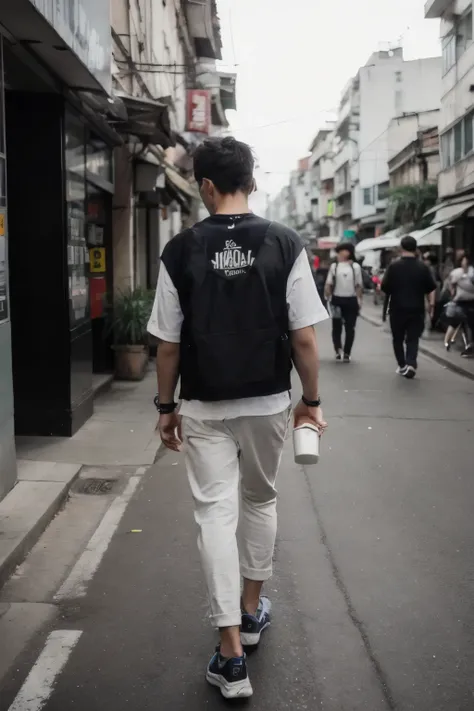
{"x":306,"y":444}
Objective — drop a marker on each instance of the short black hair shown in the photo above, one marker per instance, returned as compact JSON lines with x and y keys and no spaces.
{"x":347,"y":246}
{"x":409,"y":244}
{"x":228,"y":163}
{"x":459,"y":260}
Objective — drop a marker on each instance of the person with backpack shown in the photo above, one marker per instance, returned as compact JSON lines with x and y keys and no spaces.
{"x":236,"y":305}
{"x":344,"y":290}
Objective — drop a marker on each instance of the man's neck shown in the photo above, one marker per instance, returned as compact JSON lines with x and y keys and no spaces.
{"x":408,"y":254}
{"x":233,"y":205}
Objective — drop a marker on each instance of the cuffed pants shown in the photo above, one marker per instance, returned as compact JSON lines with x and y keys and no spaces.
{"x":232,"y":465}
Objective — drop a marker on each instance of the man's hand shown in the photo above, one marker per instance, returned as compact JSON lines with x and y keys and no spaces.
{"x":305,"y":415}
{"x":170,"y":431}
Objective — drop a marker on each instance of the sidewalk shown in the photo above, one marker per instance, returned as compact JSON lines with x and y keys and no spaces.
{"x":431,"y":346}
{"x":121,"y":432}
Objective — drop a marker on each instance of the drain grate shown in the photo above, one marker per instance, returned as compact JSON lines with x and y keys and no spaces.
{"x":94,"y":486}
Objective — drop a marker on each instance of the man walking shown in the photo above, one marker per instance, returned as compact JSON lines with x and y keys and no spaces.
{"x":236,"y":303}
{"x":408,"y":283}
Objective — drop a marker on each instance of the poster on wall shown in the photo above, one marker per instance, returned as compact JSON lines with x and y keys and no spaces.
{"x":3,"y":271}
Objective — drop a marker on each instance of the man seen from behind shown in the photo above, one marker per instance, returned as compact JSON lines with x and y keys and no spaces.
{"x":236,"y":304}
{"x":408,"y":283}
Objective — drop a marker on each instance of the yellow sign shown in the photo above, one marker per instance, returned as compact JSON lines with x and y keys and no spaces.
{"x":97,"y":259}
{"x":2,"y":224}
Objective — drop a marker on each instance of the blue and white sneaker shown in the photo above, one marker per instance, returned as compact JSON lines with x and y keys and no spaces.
{"x":252,"y":627}
{"x":230,"y":676}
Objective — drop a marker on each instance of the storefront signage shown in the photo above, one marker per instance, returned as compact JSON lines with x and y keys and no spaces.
{"x":199,"y":111}
{"x":85,"y":27}
{"x":97,"y":259}
{"x":3,"y":271}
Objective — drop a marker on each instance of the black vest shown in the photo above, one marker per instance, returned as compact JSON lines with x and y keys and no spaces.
{"x":231,"y":275}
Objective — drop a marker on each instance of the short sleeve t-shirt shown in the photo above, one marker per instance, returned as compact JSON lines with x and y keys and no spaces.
{"x":345,"y":278}
{"x":304,"y":309}
{"x":463,"y":282}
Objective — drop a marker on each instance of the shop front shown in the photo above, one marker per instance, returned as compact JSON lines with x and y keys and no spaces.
{"x":56,"y":180}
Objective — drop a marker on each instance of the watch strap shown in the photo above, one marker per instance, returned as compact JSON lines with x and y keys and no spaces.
{"x":311,"y":403}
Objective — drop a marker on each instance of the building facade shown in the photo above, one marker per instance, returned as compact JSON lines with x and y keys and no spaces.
{"x":322,"y":183}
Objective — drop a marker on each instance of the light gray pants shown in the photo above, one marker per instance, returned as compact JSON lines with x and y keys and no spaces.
{"x":220,"y":454}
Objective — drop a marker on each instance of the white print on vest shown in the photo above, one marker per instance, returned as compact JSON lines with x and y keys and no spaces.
{"x":232,"y":260}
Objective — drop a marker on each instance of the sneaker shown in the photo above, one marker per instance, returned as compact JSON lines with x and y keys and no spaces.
{"x":468,"y":352}
{"x":409,"y":372}
{"x":339,"y":356}
{"x":347,"y":358}
{"x":253,"y":626}
{"x":230,"y":676}
{"x":401,"y":370}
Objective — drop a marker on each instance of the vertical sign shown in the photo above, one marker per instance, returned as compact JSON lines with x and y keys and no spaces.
{"x":199,"y":111}
{"x":3,"y":269}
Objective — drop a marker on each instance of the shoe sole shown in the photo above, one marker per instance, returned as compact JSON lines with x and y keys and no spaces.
{"x":237,"y":690}
{"x":252,"y":640}
{"x":410,"y":374}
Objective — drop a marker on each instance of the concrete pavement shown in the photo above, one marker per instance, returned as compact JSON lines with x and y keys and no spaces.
{"x":374,"y":575}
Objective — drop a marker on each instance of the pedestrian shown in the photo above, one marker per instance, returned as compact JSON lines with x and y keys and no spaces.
{"x":408,"y":282}
{"x":320,"y":276}
{"x":344,"y":289}
{"x":462,"y":283}
{"x":236,"y":303}
{"x":431,"y":261}
{"x":448,"y":264}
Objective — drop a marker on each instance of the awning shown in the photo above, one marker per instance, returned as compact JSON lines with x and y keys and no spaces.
{"x":431,"y":236}
{"x":147,"y":119}
{"x":450,"y":210}
{"x":373,"y":219}
{"x":389,"y":240}
{"x":154,"y":155}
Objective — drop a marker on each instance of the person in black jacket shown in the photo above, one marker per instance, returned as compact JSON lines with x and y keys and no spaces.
{"x":408,"y":282}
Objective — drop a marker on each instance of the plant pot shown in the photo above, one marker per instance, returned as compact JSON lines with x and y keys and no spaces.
{"x":130,"y":362}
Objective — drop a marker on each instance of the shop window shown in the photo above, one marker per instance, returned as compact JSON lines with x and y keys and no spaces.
{"x":75,"y":195}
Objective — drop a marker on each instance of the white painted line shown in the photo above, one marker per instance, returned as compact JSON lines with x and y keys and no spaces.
{"x":40,"y":681}
{"x":76,"y":583}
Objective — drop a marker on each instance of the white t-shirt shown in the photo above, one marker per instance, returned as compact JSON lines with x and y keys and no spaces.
{"x":304,"y":309}
{"x":462,"y":281}
{"x":346,"y":277}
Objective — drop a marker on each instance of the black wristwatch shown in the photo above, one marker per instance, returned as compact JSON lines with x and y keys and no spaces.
{"x":311,"y":403}
{"x":164,"y":408}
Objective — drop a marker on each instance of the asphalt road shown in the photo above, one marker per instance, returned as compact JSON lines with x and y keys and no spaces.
{"x":374,"y":584}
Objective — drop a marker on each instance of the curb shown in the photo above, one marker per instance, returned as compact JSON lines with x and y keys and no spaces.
{"x":428,"y":352}
{"x":25,"y":513}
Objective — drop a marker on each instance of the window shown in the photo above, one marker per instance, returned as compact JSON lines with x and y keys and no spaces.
{"x":449,"y":52}
{"x":468,"y":135}
{"x":368,"y":194}
{"x":398,"y":102}
{"x":464,"y":34}
{"x":458,"y":153}
{"x":447,"y":149}
{"x":382,"y":191}
{"x":398,"y":77}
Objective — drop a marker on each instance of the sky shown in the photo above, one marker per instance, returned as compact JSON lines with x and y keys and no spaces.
{"x":293,"y":59}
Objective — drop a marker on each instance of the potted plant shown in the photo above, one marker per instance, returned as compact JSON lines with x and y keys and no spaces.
{"x":129,"y":318}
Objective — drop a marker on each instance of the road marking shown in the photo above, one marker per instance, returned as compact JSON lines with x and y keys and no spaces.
{"x":76,"y":583}
{"x":39,"y":683}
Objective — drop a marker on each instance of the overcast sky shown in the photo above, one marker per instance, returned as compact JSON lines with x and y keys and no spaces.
{"x":293,"y":59}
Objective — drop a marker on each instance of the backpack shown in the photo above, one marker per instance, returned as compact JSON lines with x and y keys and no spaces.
{"x":235,"y":337}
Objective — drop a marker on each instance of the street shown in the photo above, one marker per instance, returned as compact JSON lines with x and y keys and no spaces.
{"x":374,"y":571}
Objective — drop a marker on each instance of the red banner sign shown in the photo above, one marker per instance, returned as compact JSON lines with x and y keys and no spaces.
{"x":199,"y":111}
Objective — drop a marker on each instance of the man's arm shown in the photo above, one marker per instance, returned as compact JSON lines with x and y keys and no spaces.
{"x":306,"y":360}
{"x":167,"y":370}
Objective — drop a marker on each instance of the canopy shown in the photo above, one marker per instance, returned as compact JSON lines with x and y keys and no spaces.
{"x":389,"y":240}
{"x":431,"y":236}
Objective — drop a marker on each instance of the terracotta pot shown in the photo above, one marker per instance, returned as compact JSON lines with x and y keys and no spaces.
{"x":130,"y":362}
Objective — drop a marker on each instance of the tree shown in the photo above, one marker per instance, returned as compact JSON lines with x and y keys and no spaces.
{"x":408,"y":203}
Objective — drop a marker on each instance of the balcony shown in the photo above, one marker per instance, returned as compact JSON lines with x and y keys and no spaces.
{"x":436,"y":8}
{"x":204,"y":28}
